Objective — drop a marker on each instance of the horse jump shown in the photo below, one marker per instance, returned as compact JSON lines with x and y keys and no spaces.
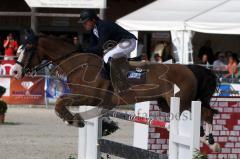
{"x":184,"y":136}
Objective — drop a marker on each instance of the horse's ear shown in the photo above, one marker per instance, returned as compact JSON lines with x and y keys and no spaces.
{"x":29,"y":32}
{"x":30,"y":36}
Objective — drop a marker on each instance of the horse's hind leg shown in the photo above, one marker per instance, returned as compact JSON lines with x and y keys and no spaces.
{"x":65,"y":114}
{"x":163,"y":104}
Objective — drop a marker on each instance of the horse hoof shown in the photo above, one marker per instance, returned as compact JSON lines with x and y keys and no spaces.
{"x":78,"y":121}
{"x":215,"y":147}
{"x":108,"y":126}
{"x":68,"y":122}
{"x":79,"y":124}
{"x":211,"y":139}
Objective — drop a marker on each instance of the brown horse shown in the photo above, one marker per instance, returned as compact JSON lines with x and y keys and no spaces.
{"x":88,"y":86}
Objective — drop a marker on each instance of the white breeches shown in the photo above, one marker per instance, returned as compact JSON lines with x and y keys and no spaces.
{"x":124,"y":48}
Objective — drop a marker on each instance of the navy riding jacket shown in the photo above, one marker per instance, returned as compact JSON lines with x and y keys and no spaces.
{"x":107,"y":30}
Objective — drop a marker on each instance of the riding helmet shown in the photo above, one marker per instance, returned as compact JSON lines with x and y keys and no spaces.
{"x":87,"y":14}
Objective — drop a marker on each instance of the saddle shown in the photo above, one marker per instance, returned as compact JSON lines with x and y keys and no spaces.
{"x":122,"y":74}
{"x":125,"y":75}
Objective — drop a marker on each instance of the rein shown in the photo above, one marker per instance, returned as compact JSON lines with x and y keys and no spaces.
{"x":41,"y":66}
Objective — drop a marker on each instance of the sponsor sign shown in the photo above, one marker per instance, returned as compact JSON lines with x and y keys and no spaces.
{"x":25,"y":91}
{"x":56,"y":88}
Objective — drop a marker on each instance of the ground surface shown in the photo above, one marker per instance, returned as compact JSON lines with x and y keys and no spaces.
{"x":37,"y":133}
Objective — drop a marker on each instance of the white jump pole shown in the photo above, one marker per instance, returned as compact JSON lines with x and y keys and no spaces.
{"x":184,"y":135}
{"x":88,"y":137}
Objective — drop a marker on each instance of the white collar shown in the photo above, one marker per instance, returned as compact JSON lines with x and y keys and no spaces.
{"x":95,"y":31}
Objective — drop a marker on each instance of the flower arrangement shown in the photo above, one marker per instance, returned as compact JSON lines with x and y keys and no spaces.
{"x":199,"y":155}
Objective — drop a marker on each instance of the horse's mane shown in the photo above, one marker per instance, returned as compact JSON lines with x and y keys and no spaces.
{"x":55,"y":45}
{"x":64,"y":39}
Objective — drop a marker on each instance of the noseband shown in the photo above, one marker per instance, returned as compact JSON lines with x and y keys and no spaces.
{"x":26,"y":67}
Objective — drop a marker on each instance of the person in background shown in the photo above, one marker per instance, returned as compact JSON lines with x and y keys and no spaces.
{"x":76,"y":43}
{"x":75,"y":40}
{"x":1,"y":48}
{"x":220,"y":63}
{"x":144,"y":57}
{"x":157,"y":58}
{"x":140,"y":47}
{"x":204,"y":60}
{"x":166,"y":54}
{"x":227,"y":54}
{"x":10,"y":45}
{"x":158,"y":50}
{"x":232,"y":66}
{"x":206,"y":49}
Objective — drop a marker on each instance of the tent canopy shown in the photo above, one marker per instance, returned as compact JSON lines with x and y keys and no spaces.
{"x":209,"y":16}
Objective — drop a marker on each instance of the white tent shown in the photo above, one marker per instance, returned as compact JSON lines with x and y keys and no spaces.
{"x":182,"y":17}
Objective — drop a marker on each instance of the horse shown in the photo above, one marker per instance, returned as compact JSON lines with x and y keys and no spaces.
{"x":86,"y":78}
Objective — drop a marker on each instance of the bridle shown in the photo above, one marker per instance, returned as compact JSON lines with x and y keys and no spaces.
{"x":32,"y":51}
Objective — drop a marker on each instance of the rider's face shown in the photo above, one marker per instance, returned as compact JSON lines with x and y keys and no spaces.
{"x":89,"y":25}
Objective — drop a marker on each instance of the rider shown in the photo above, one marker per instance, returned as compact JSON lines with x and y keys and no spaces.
{"x":103,"y":31}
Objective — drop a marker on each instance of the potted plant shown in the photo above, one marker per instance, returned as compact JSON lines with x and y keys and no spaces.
{"x":3,"y":106}
{"x":199,"y":155}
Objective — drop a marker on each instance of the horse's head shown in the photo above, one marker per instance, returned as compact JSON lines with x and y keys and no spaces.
{"x":28,"y":56}
{"x":35,"y":49}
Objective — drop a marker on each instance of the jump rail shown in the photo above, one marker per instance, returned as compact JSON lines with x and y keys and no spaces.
{"x":184,"y":135}
{"x":139,"y":119}
{"x":126,"y":151}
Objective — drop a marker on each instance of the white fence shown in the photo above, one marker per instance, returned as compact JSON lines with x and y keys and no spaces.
{"x":184,"y":136}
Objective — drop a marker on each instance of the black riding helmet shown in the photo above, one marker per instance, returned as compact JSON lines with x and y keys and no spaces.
{"x":87,"y":14}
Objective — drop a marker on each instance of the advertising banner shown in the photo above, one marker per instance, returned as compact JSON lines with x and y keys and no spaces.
{"x":55,"y":88}
{"x":25,"y":91}
{"x":228,"y":90}
{"x":6,"y":67}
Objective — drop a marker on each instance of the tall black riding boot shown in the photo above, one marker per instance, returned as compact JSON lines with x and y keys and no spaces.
{"x":119,"y":69}
{"x":105,"y":72}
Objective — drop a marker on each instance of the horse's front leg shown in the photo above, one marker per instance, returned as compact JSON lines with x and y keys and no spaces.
{"x":208,"y":138}
{"x":62,"y":111}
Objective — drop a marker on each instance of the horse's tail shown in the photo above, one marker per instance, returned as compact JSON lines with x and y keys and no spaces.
{"x":207,"y":83}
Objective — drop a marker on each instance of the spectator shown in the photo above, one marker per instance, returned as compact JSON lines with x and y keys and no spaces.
{"x":204,"y":60}
{"x":220,"y":63}
{"x":157,"y":58}
{"x":144,"y":57}
{"x":75,"y":41}
{"x":166,"y":54}
{"x":227,"y":54}
{"x":232,"y":66}
{"x":10,"y":46}
{"x":206,"y":49}
{"x":140,"y":47}
{"x":158,"y":50}
{"x":1,"y":48}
